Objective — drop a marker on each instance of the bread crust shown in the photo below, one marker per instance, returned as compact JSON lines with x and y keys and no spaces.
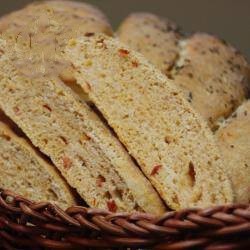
{"x":213,"y":75}
{"x":234,"y":142}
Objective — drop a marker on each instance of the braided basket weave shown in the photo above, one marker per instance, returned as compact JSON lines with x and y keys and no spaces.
{"x":28,"y":225}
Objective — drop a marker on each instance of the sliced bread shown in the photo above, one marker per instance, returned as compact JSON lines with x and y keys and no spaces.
{"x":234,"y":141}
{"x":25,"y":172}
{"x":169,"y":140}
{"x":65,"y":129}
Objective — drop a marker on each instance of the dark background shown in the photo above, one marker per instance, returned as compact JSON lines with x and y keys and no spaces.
{"x":228,"y":19}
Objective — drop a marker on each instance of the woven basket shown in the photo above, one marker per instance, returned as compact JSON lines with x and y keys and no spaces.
{"x":28,"y":225}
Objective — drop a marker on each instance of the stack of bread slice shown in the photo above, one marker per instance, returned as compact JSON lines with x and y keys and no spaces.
{"x":168,"y":139}
{"x":119,"y":131}
{"x":59,"y":122}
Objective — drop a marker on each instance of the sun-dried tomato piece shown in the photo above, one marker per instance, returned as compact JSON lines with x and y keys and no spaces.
{"x":67,"y":162}
{"x":123,"y":52}
{"x":112,"y":207}
{"x":155,"y":170}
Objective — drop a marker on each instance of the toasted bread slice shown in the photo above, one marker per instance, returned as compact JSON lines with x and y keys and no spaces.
{"x":169,"y":140}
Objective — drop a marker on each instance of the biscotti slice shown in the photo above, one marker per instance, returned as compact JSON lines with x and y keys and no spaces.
{"x":171,"y":143}
{"x":155,"y":37}
{"x":234,"y":141}
{"x":24,"y":171}
{"x":213,"y":75}
{"x":64,"y":128}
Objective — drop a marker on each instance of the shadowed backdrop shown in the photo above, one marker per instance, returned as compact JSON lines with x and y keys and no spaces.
{"x":228,"y":19}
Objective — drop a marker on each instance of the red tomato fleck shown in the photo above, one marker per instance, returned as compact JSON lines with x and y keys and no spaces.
{"x":156,"y":169}
{"x":112,"y":206}
{"x":66,"y":162}
{"x":123,"y":52}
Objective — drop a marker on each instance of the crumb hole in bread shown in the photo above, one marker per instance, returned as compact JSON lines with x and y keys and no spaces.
{"x":100,"y":180}
{"x":6,"y":137}
{"x":102,"y":75}
{"x":167,"y":139}
{"x":213,"y":198}
{"x":176,"y":199}
{"x":137,"y":207}
{"x":107,"y":195}
{"x":191,"y":173}
{"x":64,"y":140}
{"x":198,"y":197}
{"x":53,"y":194}
{"x":46,"y":106}
{"x":117,"y":193}
{"x":45,"y":141}
{"x":88,"y":63}
{"x":67,"y":77}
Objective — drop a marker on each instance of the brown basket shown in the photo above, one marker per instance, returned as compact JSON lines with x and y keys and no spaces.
{"x":28,"y":225}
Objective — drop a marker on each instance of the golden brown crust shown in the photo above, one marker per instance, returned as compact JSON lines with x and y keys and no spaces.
{"x":155,"y":37}
{"x":213,"y":75}
{"x":234,"y":141}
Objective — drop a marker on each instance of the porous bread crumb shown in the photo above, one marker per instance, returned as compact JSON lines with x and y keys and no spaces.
{"x":71,"y":134}
{"x":153,"y":120}
{"x":26,"y":173}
